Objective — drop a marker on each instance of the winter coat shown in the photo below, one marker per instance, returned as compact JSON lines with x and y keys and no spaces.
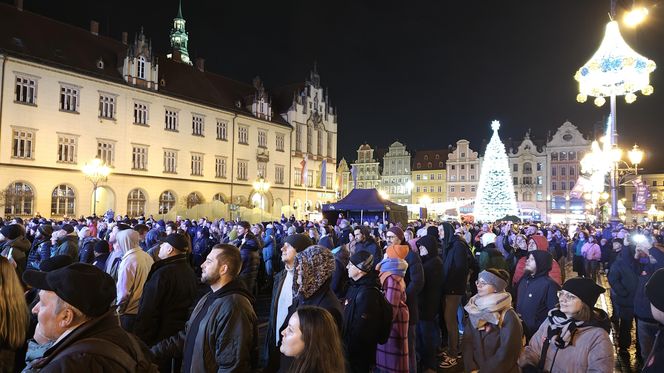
{"x":268,"y":252}
{"x":370,"y":247}
{"x":168,"y":296}
{"x":100,"y":261}
{"x":393,"y":355}
{"x":133,"y":271}
{"x":40,"y":250}
{"x":20,"y":249}
{"x":67,"y":245}
{"x":62,"y":358}
{"x":340,"y":279}
{"x":655,"y":361}
{"x":494,"y":350}
{"x":591,"y":351}
{"x":249,"y":251}
{"x":414,"y":284}
{"x":269,"y":348}
{"x":86,"y":252}
{"x":429,"y":297}
{"x":227,"y":337}
{"x":641,"y":303}
{"x":591,"y":251}
{"x":624,"y":279}
{"x":362,"y":309}
{"x":455,"y":267}
{"x":536,"y":295}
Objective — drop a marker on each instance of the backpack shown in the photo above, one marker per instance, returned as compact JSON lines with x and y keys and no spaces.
{"x":384,"y":318}
{"x":110,"y":350}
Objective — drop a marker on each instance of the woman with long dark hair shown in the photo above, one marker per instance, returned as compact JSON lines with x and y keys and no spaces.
{"x":15,"y":315}
{"x":312,"y":339}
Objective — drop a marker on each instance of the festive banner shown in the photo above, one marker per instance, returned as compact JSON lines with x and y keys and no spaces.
{"x":641,"y":196}
{"x":323,"y":174}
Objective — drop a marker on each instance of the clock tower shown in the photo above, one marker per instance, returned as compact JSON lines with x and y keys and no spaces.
{"x":179,"y":39}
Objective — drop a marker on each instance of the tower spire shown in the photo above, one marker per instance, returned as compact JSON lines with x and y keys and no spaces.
{"x":179,"y":38}
{"x":179,"y":10}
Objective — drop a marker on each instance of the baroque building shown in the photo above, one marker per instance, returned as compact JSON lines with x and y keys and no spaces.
{"x":395,"y":179}
{"x":529,"y":176}
{"x":365,"y":171}
{"x":429,"y":177}
{"x":463,"y":174}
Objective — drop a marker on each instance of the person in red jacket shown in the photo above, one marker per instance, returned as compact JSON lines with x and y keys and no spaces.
{"x":536,"y":242}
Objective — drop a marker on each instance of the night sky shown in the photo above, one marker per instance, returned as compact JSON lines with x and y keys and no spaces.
{"x":425,"y":73}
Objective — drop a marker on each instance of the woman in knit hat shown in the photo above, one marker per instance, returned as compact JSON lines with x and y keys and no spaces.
{"x":493,"y":332}
{"x":393,"y":355}
{"x":574,"y":338}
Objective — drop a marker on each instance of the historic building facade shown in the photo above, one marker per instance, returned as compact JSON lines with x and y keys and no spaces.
{"x":365,"y":170}
{"x":429,"y":177}
{"x":174,"y":135}
{"x":396,"y":181}
{"x":463,"y":174}
{"x":564,"y":151}
{"x":529,"y":176}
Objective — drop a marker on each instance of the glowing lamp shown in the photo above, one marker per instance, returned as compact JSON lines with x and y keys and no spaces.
{"x":635,"y":155}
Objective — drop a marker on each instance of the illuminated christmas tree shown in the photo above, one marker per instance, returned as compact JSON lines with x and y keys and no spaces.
{"x":495,"y":192}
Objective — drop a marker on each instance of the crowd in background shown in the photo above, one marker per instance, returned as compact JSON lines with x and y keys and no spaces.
{"x":144,"y":294}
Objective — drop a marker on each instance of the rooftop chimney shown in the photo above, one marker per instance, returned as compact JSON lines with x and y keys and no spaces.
{"x":19,"y":4}
{"x":94,"y":27}
{"x":124,"y":37}
{"x":200,"y":64}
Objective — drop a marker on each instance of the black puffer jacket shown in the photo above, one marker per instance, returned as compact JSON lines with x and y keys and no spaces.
{"x":251,"y":258}
{"x":362,"y":310}
{"x":168,"y":296}
{"x":456,"y":267}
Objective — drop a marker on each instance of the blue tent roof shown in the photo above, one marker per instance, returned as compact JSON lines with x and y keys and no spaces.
{"x":362,"y":199}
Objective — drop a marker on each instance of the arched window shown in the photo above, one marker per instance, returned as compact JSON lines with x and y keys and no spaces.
{"x":63,"y":200}
{"x":19,"y":199}
{"x":166,"y":202}
{"x":140,"y":67}
{"x":136,"y":202}
{"x":193,"y":199}
{"x":219,"y":197}
{"x":527,"y":168}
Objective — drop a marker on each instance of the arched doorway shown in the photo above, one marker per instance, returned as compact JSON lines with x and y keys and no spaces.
{"x":105,"y":200}
{"x":263,"y":201}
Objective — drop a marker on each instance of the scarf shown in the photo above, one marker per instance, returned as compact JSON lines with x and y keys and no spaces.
{"x":488,"y":309}
{"x":391,"y":266}
{"x":561,"y":329}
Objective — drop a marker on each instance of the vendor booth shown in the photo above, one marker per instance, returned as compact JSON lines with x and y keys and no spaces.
{"x":365,"y":205}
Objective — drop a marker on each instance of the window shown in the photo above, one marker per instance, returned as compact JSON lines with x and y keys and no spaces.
{"x":23,"y":143}
{"x":280,"y":142}
{"x":136,"y":202}
{"x":463,"y":177}
{"x":278,"y":174}
{"x":472,"y":188}
{"x":196,"y":164}
{"x":140,"y":67}
{"x":426,"y":157}
{"x":527,"y":180}
{"x":654,"y":183}
{"x":193,"y":199}
{"x":432,"y":177}
{"x":328,"y":181}
{"x":563,"y":185}
{"x":571,"y":185}
{"x":572,"y":171}
{"x":563,"y":171}
{"x":310,"y":179}
{"x":329,"y":144}
{"x":222,"y":130}
{"x":527,"y":196}
{"x":141,"y":113}
{"x":553,"y":171}
{"x":170,"y":161}
{"x":515,"y":167}
{"x":463,"y":189}
{"x":417,"y":189}
{"x":220,"y":167}
{"x":563,"y":156}
{"x":440,"y":176}
{"x":553,"y":185}
{"x":219,"y":197}
{"x":540,"y":196}
{"x":453,"y":167}
{"x":310,"y":134}
{"x":572,"y":156}
{"x":417,"y":177}
{"x":261,"y":171}
{"x":539,"y":166}
{"x":463,"y":166}
{"x":69,"y":96}
{"x":197,"y":125}
{"x":63,"y":201}
{"x":540,"y":180}
{"x":298,"y":177}
{"x":440,"y":189}
{"x":298,"y":138}
{"x":19,"y":199}
{"x":516,"y":196}
{"x":527,"y":168}
{"x":472,"y":166}
{"x":106,"y":106}
{"x":554,"y":156}
{"x":452,"y":189}
{"x":463,"y":155}
{"x":26,"y":90}
{"x":515,"y":180}
{"x":166,"y":202}
{"x":319,"y":142}
{"x":472,"y":177}
{"x":262,"y":139}
{"x":106,"y":151}
{"x":171,"y":120}
{"x":242,"y":170}
{"x":67,"y":148}
{"x":243,"y":135}
{"x":139,"y":157}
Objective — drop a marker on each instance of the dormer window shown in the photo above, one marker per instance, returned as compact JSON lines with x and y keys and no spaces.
{"x":100,"y":64}
{"x":140,"y":67}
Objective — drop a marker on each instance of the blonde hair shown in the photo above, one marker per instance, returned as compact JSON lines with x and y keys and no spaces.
{"x":13,"y":308}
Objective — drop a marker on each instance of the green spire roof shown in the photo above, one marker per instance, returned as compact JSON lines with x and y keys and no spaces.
{"x":180,"y":10}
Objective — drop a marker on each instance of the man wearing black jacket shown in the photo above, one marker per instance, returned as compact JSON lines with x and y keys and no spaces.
{"x":168,"y":296}
{"x":361,"y":312}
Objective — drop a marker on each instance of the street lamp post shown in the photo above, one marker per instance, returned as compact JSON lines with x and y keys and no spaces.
{"x":261,"y":186}
{"x":614,"y":70}
{"x":96,"y":171}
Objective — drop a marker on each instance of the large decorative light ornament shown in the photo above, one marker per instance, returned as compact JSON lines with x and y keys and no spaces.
{"x":614,"y":70}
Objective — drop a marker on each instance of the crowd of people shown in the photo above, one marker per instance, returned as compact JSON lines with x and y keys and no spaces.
{"x":146,"y":295}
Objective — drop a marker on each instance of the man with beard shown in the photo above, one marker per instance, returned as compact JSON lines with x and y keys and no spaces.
{"x":222,"y":331}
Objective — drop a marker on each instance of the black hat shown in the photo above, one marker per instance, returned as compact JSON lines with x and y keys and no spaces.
{"x":122,"y":226}
{"x":68,"y":228}
{"x":299,"y":241}
{"x":55,"y":262}
{"x":46,"y":229}
{"x":11,"y":232}
{"x":84,"y":286}
{"x":584,"y":288}
{"x":176,"y":240}
{"x":101,"y":247}
{"x":244,"y":224}
{"x":363,"y":260}
{"x":653,"y":289}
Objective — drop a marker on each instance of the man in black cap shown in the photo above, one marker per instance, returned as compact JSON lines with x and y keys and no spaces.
{"x":655,"y":360}
{"x":41,"y":246}
{"x":168,"y":295}
{"x":74,"y":312}
{"x":362,"y":311}
{"x":282,"y":298}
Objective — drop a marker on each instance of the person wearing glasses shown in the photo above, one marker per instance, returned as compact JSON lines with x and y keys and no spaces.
{"x":574,"y":338}
{"x":493,"y":332}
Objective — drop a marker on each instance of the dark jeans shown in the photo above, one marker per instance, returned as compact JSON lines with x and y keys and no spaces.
{"x":428,"y":340}
{"x":127,"y":322}
{"x":646,"y":336}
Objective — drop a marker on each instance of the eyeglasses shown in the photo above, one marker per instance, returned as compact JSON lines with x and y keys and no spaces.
{"x":390,"y":236}
{"x":566,"y":296}
{"x":482,"y":283}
